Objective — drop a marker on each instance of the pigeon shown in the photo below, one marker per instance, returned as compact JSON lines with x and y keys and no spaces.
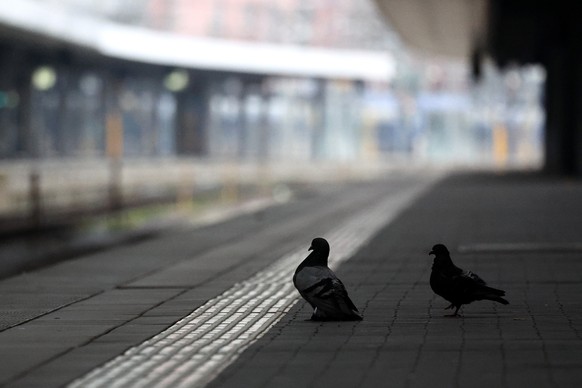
{"x":456,"y":285}
{"x":321,"y":288}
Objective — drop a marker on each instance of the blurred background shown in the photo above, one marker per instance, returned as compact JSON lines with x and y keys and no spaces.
{"x":112,"y":105}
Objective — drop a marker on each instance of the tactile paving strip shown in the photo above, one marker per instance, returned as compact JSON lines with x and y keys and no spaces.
{"x":194,"y":350}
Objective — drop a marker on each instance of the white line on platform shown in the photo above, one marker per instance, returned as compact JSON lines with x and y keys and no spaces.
{"x":519,"y":247}
{"x":197,"y":348}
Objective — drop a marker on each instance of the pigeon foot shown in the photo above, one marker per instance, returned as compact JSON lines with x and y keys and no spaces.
{"x":453,"y":316}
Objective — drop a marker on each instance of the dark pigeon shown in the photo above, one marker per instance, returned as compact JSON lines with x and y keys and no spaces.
{"x":319,"y":286}
{"x":456,"y":285}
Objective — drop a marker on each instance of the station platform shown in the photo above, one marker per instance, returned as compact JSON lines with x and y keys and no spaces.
{"x":214,"y":305}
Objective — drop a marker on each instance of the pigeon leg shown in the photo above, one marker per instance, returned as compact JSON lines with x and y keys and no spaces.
{"x":456,"y":313}
{"x":314,"y":315}
{"x":318,"y":316}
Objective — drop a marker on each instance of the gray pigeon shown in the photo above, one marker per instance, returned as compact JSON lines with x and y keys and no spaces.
{"x":319,"y":286}
{"x":456,"y":285}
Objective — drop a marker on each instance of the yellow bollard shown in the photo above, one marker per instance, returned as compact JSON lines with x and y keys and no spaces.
{"x":500,"y":146}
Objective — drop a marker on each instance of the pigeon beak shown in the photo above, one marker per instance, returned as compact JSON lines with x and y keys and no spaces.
{"x":431,"y":253}
{"x":310,"y":249}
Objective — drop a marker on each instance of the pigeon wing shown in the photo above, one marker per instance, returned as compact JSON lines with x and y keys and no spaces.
{"x":468,"y":288}
{"x":323,"y":290}
{"x":475,"y":277}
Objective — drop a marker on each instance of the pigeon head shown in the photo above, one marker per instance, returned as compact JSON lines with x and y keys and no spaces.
{"x":320,"y":245}
{"x":438,"y":250}
{"x":442,"y":257}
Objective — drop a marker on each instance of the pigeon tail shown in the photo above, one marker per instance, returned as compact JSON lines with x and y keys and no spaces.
{"x":490,"y":293}
{"x":494,"y":291}
{"x":498,"y":299}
